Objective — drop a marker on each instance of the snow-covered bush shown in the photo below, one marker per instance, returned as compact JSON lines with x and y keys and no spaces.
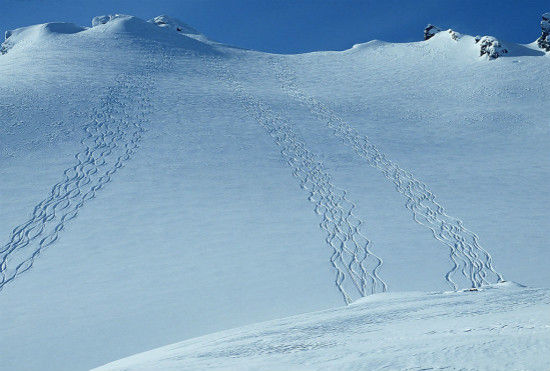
{"x":544,"y":40}
{"x":490,"y":46}
{"x":430,"y":31}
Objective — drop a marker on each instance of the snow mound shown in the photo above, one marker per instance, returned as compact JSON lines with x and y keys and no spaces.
{"x":103,"y":19}
{"x":491,"y":47}
{"x":32,"y":34}
{"x":431,"y":30}
{"x":156,"y":28}
{"x":169,"y":32}
{"x":453,"y":44}
{"x":502,"y":327}
{"x":122,"y":23}
{"x":442,"y":37}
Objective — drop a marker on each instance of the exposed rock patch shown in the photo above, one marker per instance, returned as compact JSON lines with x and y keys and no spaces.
{"x":544,"y":40}
{"x":454,"y":35}
{"x":4,"y":47}
{"x":430,"y":31}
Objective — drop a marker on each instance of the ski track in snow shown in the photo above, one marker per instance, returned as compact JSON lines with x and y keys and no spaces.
{"x":355,"y":264}
{"x":112,"y":137}
{"x":468,"y":258}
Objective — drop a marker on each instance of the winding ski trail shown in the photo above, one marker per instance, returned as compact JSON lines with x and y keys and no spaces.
{"x":470,"y":262}
{"x":355,"y":264}
{"x":112,"y":137}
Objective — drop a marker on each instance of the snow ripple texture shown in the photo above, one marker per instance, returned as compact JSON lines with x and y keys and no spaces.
{"x":355,"y":264}
{"x":471,"y":264}
{"x":111,"y":138}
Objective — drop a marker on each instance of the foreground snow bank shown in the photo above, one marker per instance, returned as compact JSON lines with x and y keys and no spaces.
{"x":501,"y":327}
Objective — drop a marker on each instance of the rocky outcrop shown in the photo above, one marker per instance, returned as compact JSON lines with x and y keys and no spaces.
{"x":430,"y":31}
{"x":454,"y":35}
{"x":544,"y":40}
{"x":491,"y":47}
{"x":4,"y":47}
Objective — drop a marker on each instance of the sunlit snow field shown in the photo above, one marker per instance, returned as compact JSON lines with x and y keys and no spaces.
{"x":207,"y":226}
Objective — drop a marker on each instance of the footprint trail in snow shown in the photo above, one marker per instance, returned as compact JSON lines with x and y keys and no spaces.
{"x":355,"y":264}
{"x":111,"y":138}
{"x":471,"y":264}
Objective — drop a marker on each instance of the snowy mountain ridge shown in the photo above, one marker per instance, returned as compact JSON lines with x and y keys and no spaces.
{"x":114,"y":23}
{"x":128,"y":23}
{"x":201,"y":187}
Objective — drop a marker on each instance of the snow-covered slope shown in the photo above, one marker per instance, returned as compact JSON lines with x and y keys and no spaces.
{"x":503,"y":327}
{"x":157,"y":186}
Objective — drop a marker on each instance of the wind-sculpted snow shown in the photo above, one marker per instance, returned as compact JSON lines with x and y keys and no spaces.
{"x":356,"y":265}
{"x":111,"y":138}
{"x":470,"y":262}
{"x":502,"y":327}
{"x":36,"y":33}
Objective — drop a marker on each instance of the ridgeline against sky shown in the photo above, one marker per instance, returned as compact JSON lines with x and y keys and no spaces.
{"x":285,"y":26}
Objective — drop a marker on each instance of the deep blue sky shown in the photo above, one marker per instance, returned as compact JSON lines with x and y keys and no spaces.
{"x":301,"y":25}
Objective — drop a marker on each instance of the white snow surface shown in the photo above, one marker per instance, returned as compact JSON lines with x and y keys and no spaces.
{"x":156,"y":186}
{"x":28,"y":35}
{"x":501,"y":327}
